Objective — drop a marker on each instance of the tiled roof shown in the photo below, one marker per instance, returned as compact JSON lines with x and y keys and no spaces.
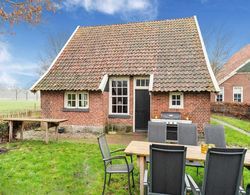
{"x":169,"y":49}
{"x":238,"y":59}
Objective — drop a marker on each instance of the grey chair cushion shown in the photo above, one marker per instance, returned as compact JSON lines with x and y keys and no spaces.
{"x":215,"y":134}
{"x":119,"y":168}
{"x":157,"y":132}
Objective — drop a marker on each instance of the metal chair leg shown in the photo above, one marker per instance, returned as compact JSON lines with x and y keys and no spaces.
{"x":109,"y":179}
{"x":104,"y":184}
{"x":133,"y":180}
{"x":197,"y":171}
{"x":129,"y":187}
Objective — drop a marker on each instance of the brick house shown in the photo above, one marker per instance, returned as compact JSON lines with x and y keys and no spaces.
{"x":234,"y":79}
{"x":125,"y":74}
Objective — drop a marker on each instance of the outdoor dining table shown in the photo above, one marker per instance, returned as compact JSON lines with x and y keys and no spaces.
{"x":48,"y":122}
{"x":141,"y":150}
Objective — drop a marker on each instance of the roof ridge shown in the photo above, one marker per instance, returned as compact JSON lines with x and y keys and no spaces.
{"x":139,"y":22}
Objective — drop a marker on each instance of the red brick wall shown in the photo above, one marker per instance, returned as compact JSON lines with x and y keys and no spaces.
{"x":196,"y":107}
{"x":239,"y":79}
{"x":52,"y":103}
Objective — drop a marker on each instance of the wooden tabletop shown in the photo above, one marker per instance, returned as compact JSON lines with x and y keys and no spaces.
{"x":49,"y":120}
{"x":141,"y":148}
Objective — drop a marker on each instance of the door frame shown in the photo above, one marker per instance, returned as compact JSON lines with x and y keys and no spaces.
{"x":134,"y":99}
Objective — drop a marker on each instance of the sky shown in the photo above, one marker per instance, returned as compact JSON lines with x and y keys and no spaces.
{"x":20,"y":50}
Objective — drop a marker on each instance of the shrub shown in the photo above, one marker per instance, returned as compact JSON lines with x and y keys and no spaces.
{"x":4,"y":131}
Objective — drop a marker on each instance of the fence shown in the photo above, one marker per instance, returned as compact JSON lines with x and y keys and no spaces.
{"x":18,"y":94}
{"x":239,"y":110}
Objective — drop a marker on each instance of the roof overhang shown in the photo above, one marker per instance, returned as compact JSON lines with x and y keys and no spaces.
{"x":215,"y":83}
{"x":103,"y":82}
{"x":233,"y":72}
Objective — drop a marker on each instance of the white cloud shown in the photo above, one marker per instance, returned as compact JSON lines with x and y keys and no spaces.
{"x":12,"y":69}
{"x":127,"y":9}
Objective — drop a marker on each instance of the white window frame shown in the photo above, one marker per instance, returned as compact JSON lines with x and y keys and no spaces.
{"x":141,"y":78}
{"x":234,"y":89}
{"x":182,"y":100}
{"x":77,"y":99}
{"x":220,"y":93}
{"x":110,"y":94}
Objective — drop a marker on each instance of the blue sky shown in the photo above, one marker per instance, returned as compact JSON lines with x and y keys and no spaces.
{"x":19,"y":53}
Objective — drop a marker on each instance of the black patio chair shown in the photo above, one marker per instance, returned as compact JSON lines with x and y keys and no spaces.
{"x":223,"y":172}
{"x":157,"y":132}
{"x":167,"y":170}
{"x":187,"y":135}
{"x":215,"y":134}
{"x":112,"y":168}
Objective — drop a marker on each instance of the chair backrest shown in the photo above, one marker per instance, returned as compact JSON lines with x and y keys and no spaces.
{"x":215,"y":134}
{"x":104,"y":147}
{"x":187,"y":134}
{"x":167,"y":169}
{"x":157,"y":132}
{"x":223,"y":171}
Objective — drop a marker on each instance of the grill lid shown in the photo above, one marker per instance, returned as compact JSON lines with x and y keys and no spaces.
{"x":171,"y":115}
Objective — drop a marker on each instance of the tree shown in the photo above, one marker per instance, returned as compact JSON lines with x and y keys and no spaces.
{"x":14,"y":11}
{"x":219,"y":46}
{"x":54,"y":44}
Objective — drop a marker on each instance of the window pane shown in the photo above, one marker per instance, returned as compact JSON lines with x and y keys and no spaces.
{"x":119,"y":100}
{"x":125,"y":91}
{"x":119,"y":83}
{"x":114,"y":109}
{"x":142,"y":82}
{"x":73,"y":103}
{"x":178,"y":102}
{"x":73,"y":96}
{"x":113,"y":83}
{"x":173,"y":97}
{"x":80,"y":103}
{"x":69,"y":104}
{"x":85,"y":104}
{"x":125,"y":100}
{"x":85,"y":96}
{"x":125,"y":83}
{"x":173,"y":102}
{"x":69,"y":96}
{"x":125,"y":109}
{"x":119,"y":109}
{"x":178,"y":97}
{"x":80,"y":96}
{"x":147,"y":82}
{"x":138,"y":82}
{"x":114,"y":91}
{"x":119,"y":91}
{"x":114,"y":100}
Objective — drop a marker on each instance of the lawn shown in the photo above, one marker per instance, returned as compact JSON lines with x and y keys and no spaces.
{"x":240,"y":123}
{"x":7,"y":106}
{"x":68,"y":167}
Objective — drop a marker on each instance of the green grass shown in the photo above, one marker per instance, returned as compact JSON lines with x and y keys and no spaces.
{"x":32,"y":167}
{"x":242,"y":124}
{"x":7,"y":106}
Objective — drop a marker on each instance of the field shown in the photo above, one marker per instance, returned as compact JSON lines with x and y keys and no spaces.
{"x":7,"y":106}
{"x":72,"y":167}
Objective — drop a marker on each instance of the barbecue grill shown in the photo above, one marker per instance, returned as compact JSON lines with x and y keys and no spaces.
{"x":172,"y":119}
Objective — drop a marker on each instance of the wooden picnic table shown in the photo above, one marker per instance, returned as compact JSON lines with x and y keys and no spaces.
{"x":141,"y":150}
{"x":47,"y":122}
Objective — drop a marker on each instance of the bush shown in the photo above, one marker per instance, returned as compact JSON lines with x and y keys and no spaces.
{"x":4,"y":132}
{"x":239,"y":110}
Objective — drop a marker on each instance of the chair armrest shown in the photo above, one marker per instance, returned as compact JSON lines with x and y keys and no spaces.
{"x":187,"y":183}
{"x":118,"y":157}
{"x":145,"y":180}
{"x":242,"y":191}
{"x":195,"y":189}
{"x":117,"y":150}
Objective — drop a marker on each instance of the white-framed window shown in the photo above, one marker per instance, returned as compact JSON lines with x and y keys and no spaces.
{"x":220,"y":96}
{"x":238,"y":94}
{"x":119,"y":96}
{"x":76,"y":99}
{"x":176,"y":100}
{"x":142,"y":82}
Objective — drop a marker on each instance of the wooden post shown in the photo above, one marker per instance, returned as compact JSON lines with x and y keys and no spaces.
{"x":10,"y":130}
{"x":142,"y":169}
{"x":56,"y":131}
{"x":46,"y":132}
{"x":22,"y":129}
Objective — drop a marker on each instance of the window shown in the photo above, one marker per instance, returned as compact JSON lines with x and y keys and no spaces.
{"x":238,"y":94}
{"x":176,"y":100}
{"x":119,"y":96}
{"x":220,"y":95}
{"x":142,"y":82}
{"x":76,"y":100}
